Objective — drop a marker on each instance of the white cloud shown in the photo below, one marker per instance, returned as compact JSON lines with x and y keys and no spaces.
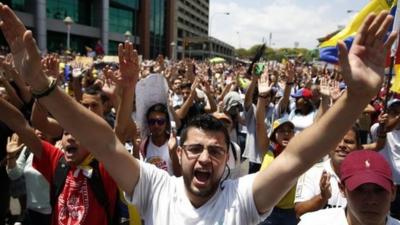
{"x":288,"y":21}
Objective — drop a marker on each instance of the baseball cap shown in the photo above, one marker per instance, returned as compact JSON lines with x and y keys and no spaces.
{"x":302,"y":93}
{"x":365,"y":166}
{"x":393,"y":101}
{"x":222,"y":116}
{"x":278,"y":123}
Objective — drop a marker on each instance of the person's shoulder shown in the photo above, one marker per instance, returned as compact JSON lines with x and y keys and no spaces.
{"x":392,"y":221}
{"x":316,"y":169}
{"x":330,"y":216}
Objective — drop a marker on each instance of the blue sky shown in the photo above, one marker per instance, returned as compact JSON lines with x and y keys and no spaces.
{"x":289,"y":21}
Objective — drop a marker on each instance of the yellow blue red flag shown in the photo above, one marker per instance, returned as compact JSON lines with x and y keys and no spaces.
{"x":328,"y":50}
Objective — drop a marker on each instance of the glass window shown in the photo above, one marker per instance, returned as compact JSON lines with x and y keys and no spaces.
{"x":80,"y":11}
{"x":134,"y":4}
{"x":113,"y":47}
{"x":157,"y":28}
{"x":57,"y":42}
{"x":18,"y":5}
{"x":121,"y":20}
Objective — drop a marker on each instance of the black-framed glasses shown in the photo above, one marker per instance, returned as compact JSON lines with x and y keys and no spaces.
{"x":195,"y":150}
{"x":159,"y":122}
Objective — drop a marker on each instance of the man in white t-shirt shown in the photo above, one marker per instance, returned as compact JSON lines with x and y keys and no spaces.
{"x":366,"y":182}
{"x":155,"y":148}
{"x":391,"y":149}
{"x":200,"y":196}
{"x":318,"y":188}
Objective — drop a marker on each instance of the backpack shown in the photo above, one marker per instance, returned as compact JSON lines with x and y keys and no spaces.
{"x":94,"y":181}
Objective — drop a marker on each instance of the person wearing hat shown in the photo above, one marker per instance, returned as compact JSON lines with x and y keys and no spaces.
{"x":280,"y":135}
{"x":304,"y":113}
{"x":233,"y":169}
{"x":391,"y":136}
{"x":367,"y":184}
{"x":282,"y":131}
{"x":318,"y":188}
{"x":199,"y":197}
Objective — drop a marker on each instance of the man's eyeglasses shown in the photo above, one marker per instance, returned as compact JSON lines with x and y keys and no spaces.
{"x":195,"y":150}
{"x":159,"y":122}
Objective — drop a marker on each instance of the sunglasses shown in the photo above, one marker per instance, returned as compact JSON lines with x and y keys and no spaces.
{"x":159,"y":122}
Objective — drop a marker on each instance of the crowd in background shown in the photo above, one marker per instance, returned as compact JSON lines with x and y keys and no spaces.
{"x":262,"y":111}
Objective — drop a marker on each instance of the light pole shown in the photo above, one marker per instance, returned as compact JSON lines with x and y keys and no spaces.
{"x":351,"y":11}
{"x":172,"y":50}
{"x":127,"y":35}
{"x":239,"y":44}
{"x":68,"y":21}
{"x":210,"y":26}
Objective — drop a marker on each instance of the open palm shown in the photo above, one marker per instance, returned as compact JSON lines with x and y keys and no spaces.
{"x":363,"y":65}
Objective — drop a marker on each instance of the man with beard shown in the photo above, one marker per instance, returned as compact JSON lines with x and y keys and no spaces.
{"x":200,"y":196}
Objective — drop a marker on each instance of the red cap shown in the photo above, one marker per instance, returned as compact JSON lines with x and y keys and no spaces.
{"x":303,"y":93}
{"x":365,"y":166}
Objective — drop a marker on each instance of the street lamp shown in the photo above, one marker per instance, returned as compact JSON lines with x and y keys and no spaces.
{"x":210,"y":26}
{"x":127,"y":35}
{"x":211,"y":19}
{"x":68,"y":21}
{"x":173,"y":44}
{"x":351,"y":11}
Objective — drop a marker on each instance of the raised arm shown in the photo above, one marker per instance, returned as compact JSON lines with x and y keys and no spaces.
{"x":184,"y":109}
{"x":126,"y":79}
{"x":248,"y":97}
{"x":363,"y":69}
{"x":14,"y":119}
{"x":41,"y":121}
{"x":92,"y":131}
{"x":284,"y":102}
{"x":26,"y":95}
{"x":264,"y":96}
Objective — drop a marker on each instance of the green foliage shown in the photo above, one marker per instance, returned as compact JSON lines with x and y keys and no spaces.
{"x":278,"y":54}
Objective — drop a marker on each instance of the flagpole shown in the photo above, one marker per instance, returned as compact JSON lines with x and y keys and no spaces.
{"x":393,"y":50}
{"x":389,"y":81}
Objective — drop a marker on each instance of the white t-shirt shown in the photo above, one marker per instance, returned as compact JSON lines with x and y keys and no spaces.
{"x":391,"y":151}
{"x":159,"y":156}
{"x":301,"y":121}
{"x":333,"y":217}
{"x":308,"y":185}
{"x":234,"y":165}
{"x":162,"y":199}
{"x":251,"y":150}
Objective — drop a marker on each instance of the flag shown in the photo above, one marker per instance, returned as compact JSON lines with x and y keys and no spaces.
{"x":328,"y":50}
{"x":395,"y":52}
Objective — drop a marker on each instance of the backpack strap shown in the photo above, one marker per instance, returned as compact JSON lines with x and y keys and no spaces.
{"x":59,"y":178}
{"x":96,"y":183}
{"x":233,"y":150}
{"x":143,"y":146}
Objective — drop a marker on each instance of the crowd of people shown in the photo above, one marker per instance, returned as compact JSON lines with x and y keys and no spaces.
{"x":192,"y":142}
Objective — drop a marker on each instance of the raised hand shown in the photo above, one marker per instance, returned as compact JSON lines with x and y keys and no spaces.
{"x":325,"y":185}
{"x":335,"y":90}
{"x":324,"y":88}
{"x":23,"y":48}
{"x":264,"y":86}
{"x":51,"y":66}
{"x":14,"y":145}
{"x":363,"y":65}
{"x":290,"y":72}
{"x":128,"y":64}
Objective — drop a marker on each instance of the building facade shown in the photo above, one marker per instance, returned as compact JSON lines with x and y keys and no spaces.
{"x":174,"y":28}
{"x":192,"y":32}
{"x":144,"y":22}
